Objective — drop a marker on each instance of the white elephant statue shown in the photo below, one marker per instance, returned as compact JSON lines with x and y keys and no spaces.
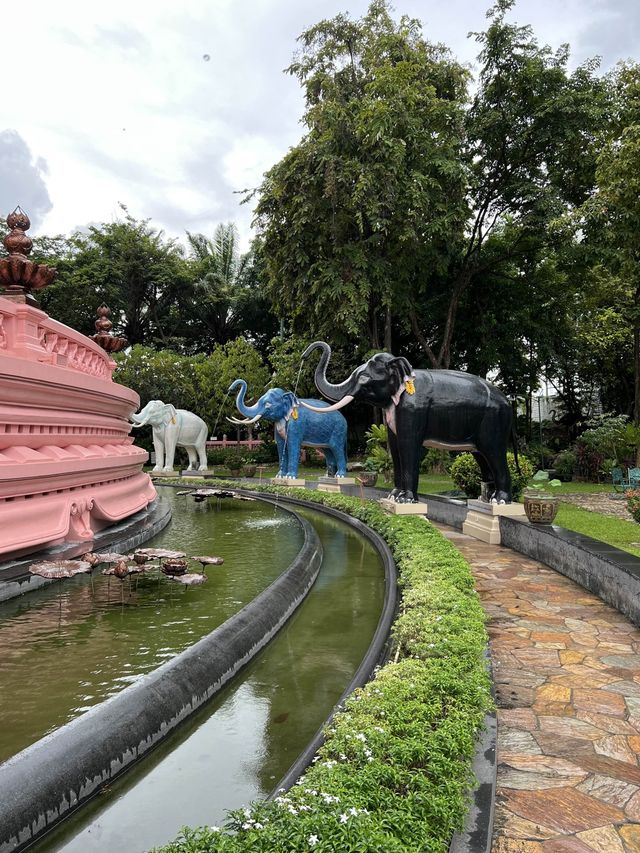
{"x":171,"y":427}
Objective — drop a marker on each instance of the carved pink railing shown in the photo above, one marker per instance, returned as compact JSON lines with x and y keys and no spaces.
{"x":28,"y":333}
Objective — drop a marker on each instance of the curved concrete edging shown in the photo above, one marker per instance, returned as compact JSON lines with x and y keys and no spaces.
{"x":378,"y":648}
{"x":43,"y":783}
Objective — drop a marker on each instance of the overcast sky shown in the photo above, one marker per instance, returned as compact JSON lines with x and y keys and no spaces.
{"x":173,"y":106}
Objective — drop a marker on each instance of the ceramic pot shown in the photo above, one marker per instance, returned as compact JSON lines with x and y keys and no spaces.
{"x":248,"y":470}
{"x":540,"y":509}
{"x":367,"y":478}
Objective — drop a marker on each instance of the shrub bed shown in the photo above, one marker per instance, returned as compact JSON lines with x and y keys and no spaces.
{"x":394,"y":773}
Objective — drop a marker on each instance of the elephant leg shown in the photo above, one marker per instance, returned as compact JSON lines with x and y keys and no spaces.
{"x":158,"y":446}
{"x":201,"y":448}
{"x":492,"y":443}
{"x":169,"y":449}
{"x":330,"y":459}
{"x":293,"y":452}
{"x":488,"y":485}
{"x":193,"y":459}
{"x":282,"y":460}
{"x":406,"y":446}
{"x":339,"y":452}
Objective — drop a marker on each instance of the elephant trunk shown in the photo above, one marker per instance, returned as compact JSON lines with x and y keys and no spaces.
{"x":254,"y":411}
{"x":326,"y":388}
{"x":137,"y":420}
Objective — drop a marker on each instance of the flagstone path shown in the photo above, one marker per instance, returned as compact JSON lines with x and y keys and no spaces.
{"x":567,"y":673}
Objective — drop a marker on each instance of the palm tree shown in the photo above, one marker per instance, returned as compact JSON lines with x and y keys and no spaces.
{"x":219,"y":280}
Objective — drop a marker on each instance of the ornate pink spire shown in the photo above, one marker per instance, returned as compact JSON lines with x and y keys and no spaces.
{"x":18,"y":275}
{"x":104,"y":338}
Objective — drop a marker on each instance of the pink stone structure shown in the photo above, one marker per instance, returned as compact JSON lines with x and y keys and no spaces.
{"x":68,"y":466}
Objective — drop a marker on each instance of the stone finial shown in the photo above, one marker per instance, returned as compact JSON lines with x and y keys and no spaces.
{"x":18,"y":275}
{"x":103,"y":336}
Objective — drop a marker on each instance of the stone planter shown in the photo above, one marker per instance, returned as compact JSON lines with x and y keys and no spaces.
{"x":234,"y":472}
{"x":366,"y":478}
{"x":540,"y":509}
{"x":248,"y":470}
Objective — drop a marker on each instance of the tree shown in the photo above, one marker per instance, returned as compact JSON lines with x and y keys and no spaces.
{"x":375,"y":190}
{"x":612,"y":217}
{"x":130,"y":266}
{"x":399,"y":199}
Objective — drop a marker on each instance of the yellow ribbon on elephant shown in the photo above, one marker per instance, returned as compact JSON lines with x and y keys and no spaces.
{"x":294,"y":413}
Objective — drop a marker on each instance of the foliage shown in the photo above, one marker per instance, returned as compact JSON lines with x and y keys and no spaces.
{"x":564,"y":465}
{"x":234,"y":460}
{"x":378,"y":458}
{"x":435,"y":461}
{"x":632,"y":498}
{"x":465,"y":473}
{"x":540,"y":482}
{"x":130,"y":266}
{"x":375,"y":189}
{"x":227,"y":298}
{"x":394,"y":771}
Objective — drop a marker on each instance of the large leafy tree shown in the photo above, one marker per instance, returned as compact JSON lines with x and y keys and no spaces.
{"x":405,"y":195}
{"x":132,"y":267}
{"x":375,"y":190}
{"x":612,"y":227}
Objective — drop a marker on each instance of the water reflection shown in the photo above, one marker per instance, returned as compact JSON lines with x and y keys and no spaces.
{"x":75,"y":643}
{"x":237,"y":748}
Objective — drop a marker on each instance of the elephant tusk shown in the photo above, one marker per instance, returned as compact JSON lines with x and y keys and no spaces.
{"x":326,"y":409}
{"x":245,"y":422}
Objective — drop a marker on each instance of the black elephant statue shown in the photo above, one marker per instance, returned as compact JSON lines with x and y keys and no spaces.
{"x":438,"y":408}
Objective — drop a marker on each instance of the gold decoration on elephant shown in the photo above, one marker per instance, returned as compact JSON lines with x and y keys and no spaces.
{"x":410,"y":386}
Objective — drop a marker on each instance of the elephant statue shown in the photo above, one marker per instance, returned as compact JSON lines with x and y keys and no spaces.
{"x":171,"y":427}
{"x":296,"y":428}
{"x":449,"y":409}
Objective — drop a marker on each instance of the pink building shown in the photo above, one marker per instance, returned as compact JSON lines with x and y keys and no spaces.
{"x":68,"y":467}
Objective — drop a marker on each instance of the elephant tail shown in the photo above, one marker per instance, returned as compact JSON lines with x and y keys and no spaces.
{"x":514,"y":439}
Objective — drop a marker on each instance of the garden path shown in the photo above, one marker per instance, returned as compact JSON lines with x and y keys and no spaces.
{"x":567,"y":673}
{"x":606,"y":503}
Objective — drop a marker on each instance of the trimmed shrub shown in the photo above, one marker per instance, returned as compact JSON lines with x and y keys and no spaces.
{"x":633,"y":503}
{"x":395,"y":770}
{"x":465,"y":473}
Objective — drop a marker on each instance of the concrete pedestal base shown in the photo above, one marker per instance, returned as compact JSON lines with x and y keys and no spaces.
{"x":334,"y":484}
{"x":194,"y":475}
{"x":287,"y":481}
{"x":394,"y":508}
{"x":155,"y":474}
{"x":483,"y":519}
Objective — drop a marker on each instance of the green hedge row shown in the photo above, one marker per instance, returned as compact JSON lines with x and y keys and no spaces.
{"x":395,"y":771}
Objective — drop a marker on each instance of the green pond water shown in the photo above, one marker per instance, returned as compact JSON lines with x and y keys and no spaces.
{"x":76,"y":642}
{"x":239,"y":746}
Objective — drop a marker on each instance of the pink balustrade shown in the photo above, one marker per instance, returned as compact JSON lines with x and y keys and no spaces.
{"x":68,"y":467}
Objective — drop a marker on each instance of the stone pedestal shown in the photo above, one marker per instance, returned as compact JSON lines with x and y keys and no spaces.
{"x":394,"y":508}
{"x":483,"y":519}
{"x":287,"y":481}
{"x":334,"y":484}
{"x":195,"y":475}
{"x":166,"y":474}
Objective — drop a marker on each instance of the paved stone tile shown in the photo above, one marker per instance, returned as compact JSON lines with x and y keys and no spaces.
{"x":567,"y":673}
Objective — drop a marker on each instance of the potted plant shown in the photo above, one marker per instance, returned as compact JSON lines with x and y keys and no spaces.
{"x":368,"y":476}
{"x":234,"y":462}
{"x":541,"y":507}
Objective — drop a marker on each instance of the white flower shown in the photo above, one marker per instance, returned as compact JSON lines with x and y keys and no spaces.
{"x":258,"y":826}
{"x":292,"y":810}
{"x":353,"y":811}
{"x":361,"y":737}
{"x":313,"y":840}
{"x":246,"y":826}
{"x":344,"y":818}
{"x":214,"y":828}
{"x":379,"y":729}
{"x":247,"y":812}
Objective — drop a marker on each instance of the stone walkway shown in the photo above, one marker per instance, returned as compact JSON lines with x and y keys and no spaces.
{"x":606,"y":503}
{"x":567,"y":674}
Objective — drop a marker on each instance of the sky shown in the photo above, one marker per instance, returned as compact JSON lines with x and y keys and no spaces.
{"x":174,"y":108}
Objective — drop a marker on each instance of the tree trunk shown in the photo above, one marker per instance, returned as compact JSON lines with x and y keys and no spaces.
{"x":387,"y":331}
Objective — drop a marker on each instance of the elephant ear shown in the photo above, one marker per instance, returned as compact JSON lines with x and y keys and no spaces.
{"x":168,"y":413}
{"x":289,"y":400}
{"x":399,"y":370}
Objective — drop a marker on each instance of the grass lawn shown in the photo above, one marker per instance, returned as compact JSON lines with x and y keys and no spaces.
{"x":614,"y":531}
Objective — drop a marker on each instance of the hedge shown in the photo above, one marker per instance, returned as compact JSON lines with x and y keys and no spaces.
{"x":394,"y":773}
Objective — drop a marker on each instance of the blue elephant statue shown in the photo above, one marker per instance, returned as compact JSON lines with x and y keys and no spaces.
{"x":296,"y":427}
